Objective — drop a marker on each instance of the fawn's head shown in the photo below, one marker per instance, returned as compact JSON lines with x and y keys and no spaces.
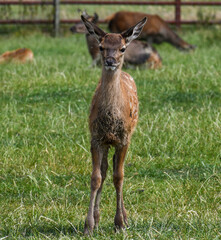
{"x":113,"y":45}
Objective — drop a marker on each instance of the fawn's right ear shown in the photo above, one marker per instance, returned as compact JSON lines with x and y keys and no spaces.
{"x":133,"y":32}
{"x":93,"y":29}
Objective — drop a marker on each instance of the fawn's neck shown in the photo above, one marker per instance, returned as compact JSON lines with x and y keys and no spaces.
{"x":111,"y":88}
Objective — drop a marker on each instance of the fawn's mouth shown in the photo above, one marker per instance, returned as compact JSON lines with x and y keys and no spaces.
{"x":112,"y":67}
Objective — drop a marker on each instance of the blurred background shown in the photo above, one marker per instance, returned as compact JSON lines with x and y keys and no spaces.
{"x":44,"y":12}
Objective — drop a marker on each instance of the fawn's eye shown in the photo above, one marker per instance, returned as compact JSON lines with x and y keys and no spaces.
{"x":123,"y":49}
{"x":101,"y":48}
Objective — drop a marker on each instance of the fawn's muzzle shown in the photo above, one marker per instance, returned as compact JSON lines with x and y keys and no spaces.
{"x":78,"y":28}
{"x":110,"y":63}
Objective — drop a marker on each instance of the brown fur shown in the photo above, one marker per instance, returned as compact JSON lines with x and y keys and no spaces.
{"x":156,"y":29}
{"x":21,"y":55}
{"x":137,"y":53}
{"x":113,"y":118}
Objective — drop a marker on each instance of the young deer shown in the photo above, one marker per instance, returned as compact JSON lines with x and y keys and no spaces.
{"x":156,"y":30}
{"x":137,"y":53}
{"x":112,"y":120}
{"x":21,"y":55}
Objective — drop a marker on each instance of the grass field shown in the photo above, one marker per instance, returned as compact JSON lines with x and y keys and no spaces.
{"x":172,"y":186}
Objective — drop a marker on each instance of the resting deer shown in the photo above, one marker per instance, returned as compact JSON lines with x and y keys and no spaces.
{"x":155,"y":30}
{"x":112,"y":120}
{"x":137,"y":53}
{"x":21,"y":55}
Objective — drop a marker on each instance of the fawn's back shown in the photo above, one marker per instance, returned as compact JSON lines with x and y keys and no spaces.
{"x":20,"y":55}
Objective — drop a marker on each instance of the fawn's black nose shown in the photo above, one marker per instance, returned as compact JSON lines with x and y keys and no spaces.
{"x":110,"y":61}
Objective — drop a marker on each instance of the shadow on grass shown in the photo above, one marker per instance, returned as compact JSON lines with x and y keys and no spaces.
{"x":191,"y":97}
{"x":189,"y":100}
{"x":47,"y":95}
{"x":199,"y":173}
{"x":44,"y":230}
{"x":181,"y":100}
{"x":177,"y":98}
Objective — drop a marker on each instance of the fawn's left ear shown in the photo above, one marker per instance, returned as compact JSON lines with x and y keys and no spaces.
{"x":93,"y":29}
{"x":133,"y":32}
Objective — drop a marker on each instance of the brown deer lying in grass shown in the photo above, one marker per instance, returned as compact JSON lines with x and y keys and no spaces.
{"x":137,"y":52}
{"x":156,"y":29}
{"x":113,"y":117}
{"x":21,"y":55}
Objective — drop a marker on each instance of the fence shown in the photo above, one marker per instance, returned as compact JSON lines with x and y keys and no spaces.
{"x":57,"y":21}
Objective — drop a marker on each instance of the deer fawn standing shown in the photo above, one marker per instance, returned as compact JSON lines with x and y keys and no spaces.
{"x":113,"y":117}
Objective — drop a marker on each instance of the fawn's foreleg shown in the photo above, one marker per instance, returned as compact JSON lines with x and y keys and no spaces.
{"x":121,"y":216}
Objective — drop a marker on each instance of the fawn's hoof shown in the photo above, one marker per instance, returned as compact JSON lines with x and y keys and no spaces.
{"x":119,"y":222}
{"x":88,"y":229}
{"x":96,"y":218}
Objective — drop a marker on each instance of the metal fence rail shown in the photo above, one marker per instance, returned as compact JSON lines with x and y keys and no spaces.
{"x":176,"y":2}
{"x":57,"y":21}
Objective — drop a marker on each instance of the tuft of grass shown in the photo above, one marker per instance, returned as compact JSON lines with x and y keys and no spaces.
{"x":173,"y":168}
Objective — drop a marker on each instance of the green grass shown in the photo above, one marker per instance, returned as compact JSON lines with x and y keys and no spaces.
{"x":173,"y":167}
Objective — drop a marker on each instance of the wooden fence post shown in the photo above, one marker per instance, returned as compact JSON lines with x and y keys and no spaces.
{"x":178,"y":13}
{"x":56,"y":17}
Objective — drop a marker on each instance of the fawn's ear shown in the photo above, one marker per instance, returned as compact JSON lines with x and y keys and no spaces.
{"x":96,"y":17}
{"x":133,"y":32}
{"x":93,"y":29}
{"x":84,"y":13}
